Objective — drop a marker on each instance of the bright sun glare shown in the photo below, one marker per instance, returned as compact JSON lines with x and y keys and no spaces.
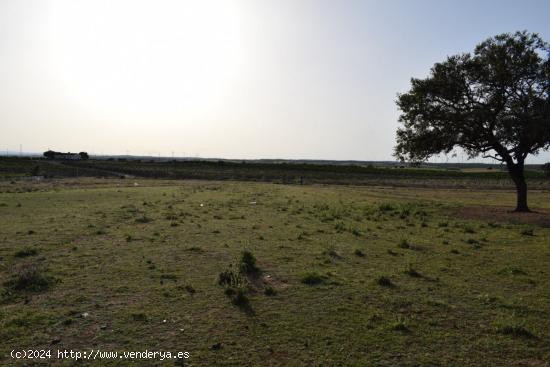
{"x":141,"y":60}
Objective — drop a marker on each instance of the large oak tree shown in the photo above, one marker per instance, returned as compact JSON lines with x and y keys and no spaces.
{"x":494,"y":103}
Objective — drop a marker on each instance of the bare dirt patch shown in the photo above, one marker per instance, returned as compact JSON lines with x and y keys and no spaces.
{"x":540,"y":217}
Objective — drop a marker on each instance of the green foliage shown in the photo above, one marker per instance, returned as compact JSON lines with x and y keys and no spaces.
{"x":399,"y":325}
{"x":247,"y":263}
{"x":435,"y":119}
{"x":493,"y":102}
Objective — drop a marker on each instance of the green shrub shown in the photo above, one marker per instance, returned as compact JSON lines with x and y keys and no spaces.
{"x":247,"y":263}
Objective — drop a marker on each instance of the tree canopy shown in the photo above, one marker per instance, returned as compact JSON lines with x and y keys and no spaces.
{"x":494,"y":102}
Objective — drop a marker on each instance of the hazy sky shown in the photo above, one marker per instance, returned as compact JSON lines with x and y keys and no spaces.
{"x":229,"y":78}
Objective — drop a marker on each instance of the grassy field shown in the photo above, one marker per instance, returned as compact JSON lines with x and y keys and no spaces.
{"x":347,"y":275}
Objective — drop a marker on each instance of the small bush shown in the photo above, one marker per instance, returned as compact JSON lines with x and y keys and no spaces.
{"x":29,"y":279}
{"x":270,"y":291}
{"x":26,"y":252}
{"x":247,"y":263}
{"x":230,"y":278}
{"x":515,"y":329}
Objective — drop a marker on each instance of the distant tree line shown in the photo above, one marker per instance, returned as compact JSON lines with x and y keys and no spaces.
{"x":50,"y":154}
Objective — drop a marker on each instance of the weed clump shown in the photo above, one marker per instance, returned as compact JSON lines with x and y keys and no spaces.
{"x":240,"y":299}
{"x":359,"y":253}
{"x":230,"y":278}
{"x":28,"y":279}
{"x":515,"y":329}
{"x":236,"y":280}
{"x":247,"y":263}
{"x":404,"y":244}
{"x":26,"y":252}
{"x":385,"y":207}
{"x":384,"y":281}
{"x":270,"y":291}
{"x":399,"y":325}
{"x":527,"y":232}
{"x":143,"y":219}
{"x":313,"y":278}
{"x":139,"y":316}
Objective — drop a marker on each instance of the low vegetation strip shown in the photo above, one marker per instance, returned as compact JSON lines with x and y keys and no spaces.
{"x":291,"y":173}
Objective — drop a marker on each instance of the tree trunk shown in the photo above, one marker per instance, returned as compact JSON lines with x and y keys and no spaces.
{"x":516,"y":172}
